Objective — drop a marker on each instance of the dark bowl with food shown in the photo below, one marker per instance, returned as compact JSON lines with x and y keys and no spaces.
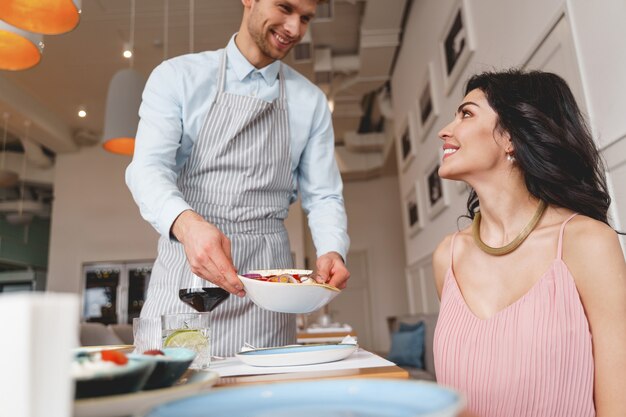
{"x":95,"y":377}
{"x":169,"y":365}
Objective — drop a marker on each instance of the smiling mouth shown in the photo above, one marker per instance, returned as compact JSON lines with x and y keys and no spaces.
{"x":282,"y":41}
{"x":449,"y":151}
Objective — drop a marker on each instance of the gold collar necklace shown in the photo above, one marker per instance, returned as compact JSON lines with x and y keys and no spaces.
{"x":510,"y":247}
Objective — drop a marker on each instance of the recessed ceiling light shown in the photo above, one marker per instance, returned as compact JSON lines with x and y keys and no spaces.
{"x":82,"y":112}
{"x":128,"y":51}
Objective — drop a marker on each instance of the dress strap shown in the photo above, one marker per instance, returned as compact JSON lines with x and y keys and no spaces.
{"x":559,"y":251}
{"x":452,"y":249}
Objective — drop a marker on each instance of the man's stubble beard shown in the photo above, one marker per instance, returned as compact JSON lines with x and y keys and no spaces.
{"x":262,"y":43}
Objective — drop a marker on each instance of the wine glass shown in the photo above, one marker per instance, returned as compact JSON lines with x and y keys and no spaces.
{"x":203,"y":299}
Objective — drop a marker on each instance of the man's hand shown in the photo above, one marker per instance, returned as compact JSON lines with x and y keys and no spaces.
{"x":332,"y":270}
{"x":208,"y":251}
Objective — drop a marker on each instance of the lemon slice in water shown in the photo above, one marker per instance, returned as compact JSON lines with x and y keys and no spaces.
{"x":190,"y":339}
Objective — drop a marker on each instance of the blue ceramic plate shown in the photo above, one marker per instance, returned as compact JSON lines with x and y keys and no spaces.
{"x":296,"y":355}
{"x":329,"y":398}
{"x":137,"y":403}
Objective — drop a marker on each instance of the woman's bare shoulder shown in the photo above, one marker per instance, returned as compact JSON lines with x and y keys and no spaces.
{"x":583,"y":233}
{"x":442,"y":257}
{"x":591,"y":247}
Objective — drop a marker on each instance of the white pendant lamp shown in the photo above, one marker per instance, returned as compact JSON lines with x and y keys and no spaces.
{"x":50,"y":17}
{"x":122,"y":112}
{"x":19,"y":49}
{"x":8,"y":178}
{"x":122,"y":108}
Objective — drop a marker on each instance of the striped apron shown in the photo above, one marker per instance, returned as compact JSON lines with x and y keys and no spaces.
{"x":239,"y":178}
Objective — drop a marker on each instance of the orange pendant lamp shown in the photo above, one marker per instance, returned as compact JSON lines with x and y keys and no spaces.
{"x":49,"y":17}
{"x":19,"y":49}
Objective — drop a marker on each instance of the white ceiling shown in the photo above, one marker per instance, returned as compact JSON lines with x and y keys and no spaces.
{"x":76,"y":67}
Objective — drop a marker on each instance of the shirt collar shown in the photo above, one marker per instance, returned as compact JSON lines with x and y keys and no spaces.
{"x":244,"y":68}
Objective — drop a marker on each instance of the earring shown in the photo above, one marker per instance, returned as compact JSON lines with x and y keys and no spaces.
{"x":510,"y":157}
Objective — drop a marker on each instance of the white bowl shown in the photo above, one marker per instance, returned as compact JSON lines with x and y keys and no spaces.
{"x":286,"y":297}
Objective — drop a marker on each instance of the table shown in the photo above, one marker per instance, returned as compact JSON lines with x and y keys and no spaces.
{"x":323,"y":337}
{"x":378,"y":372}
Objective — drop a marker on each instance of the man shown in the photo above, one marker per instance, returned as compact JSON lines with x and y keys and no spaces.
{"x":225,"y":140}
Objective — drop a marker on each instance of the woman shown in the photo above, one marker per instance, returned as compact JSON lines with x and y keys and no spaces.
{"x":533,"y":294}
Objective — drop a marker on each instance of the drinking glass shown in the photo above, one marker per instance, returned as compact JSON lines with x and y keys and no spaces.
{"x":191,"y":331}
{"x":146,"y":333}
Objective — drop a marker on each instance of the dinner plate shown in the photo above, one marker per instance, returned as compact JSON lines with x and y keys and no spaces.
{"x":296,"y":354}
{"x":140,"y":402}
{"x":328,"y":398}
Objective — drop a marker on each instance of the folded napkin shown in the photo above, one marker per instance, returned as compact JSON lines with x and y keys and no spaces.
{"x":39,"y":331}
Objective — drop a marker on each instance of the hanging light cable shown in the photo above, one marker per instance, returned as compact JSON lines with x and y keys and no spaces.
{"x":191,"y":22}
{"x":49,"y":17}
{"x":19,"y":49}
{"x":132,"y":33}
{"x":21,"y":216}
{"x":8,"y":178}
{"x":166,"y":28}
{"x":122,"y":106}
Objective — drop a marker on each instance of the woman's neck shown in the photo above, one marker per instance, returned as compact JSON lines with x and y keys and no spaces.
{"x":505,"y":211}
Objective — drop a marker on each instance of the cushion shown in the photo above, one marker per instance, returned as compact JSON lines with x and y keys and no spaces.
{"x":407,"y":345}
{"x":406,"y":327}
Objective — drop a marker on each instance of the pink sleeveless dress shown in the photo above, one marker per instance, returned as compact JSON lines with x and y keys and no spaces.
{"x":531,"y":359}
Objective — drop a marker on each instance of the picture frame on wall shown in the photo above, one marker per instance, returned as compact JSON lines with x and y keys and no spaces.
{"x":456,"y":44}
{"x":406,"y":144}
{"x":412,"y":213}
{"x":426,"y":103}
{"x":421,"y":289}
{"x":436,"y":196}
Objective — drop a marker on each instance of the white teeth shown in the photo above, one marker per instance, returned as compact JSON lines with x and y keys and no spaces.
{"x":449,"y":151}
{"x":281,"y":39}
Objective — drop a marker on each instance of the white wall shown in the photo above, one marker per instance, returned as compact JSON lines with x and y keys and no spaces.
{"x":505,"y":33}
{"x":375,"y":225}
{"x":94,"y":218}
{"x":599,"y":33}
{"x":603,"y":71}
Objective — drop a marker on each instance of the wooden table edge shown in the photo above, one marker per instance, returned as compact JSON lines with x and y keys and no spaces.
{"x":388,"y":372}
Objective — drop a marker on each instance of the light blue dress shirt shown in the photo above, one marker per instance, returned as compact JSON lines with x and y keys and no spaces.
{"x":176,"y":99}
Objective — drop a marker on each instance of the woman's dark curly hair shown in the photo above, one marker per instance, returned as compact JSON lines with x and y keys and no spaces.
{"x":552,"y":144}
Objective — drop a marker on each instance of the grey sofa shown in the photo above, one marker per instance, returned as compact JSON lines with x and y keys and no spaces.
{"x":97,"y":334}
{"x":430,"y":321}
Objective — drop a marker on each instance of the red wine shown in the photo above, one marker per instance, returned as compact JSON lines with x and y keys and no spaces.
{"x":203,"y":299}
